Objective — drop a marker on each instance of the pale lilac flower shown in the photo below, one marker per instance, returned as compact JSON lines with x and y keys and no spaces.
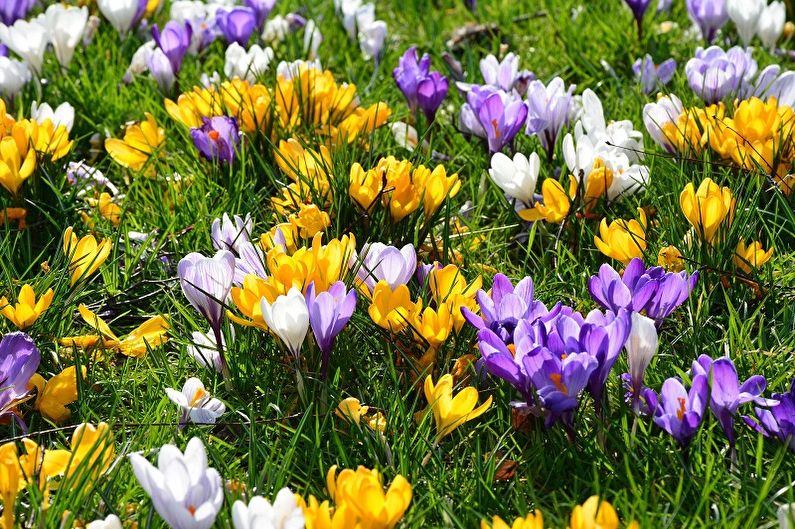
{"x":196,"y":404}
{"x":262,"y":8}
{"x":229,"y":234}
{"x":185,"y":492}
{"x":548,"y":110}
{"x":160,"y":68}
{"x":652,"y":77}
{"x":174,"y":40}
{"x":329,"y":313}
{"x":714,"y":74}
{"x":505,"y":74}
{"x":666,"y":110}
{"x":380,"y":262}
{"x":641,"y":347}
{"x":708,"y":15}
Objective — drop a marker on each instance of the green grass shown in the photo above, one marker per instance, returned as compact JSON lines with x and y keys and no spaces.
{"x":272,"y":436}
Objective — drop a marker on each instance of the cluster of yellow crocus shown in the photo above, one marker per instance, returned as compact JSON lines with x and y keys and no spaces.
{"x":310,"y":104}
{"x":90,"y":455}
{"x":21,"y":141}
{"x":85,"y":255}
{"x":318,"y":263}
{"x":352,"y":410}
{"x":709,"y":209}
{"x":623,"y":240}
{"x":451,"y":412}
{"x":359,"y":501}
{"x":748,"y":257}
{"x":54,"y":395}
{"x":395,"y":311}
{"x":140,"y":141}
{"x":757,"y":136}
{"x":106,"y":208}
{"x":27,"y":309}
{"x":593,"y":514}
{"x":401,"y":188}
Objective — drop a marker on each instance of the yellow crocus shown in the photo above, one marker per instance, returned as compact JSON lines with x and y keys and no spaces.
{"x":150,"y":333}
{"x":12,"y":480}
{"x":595,"y":514}
{"x":351,"y":409}
{"x":392,"y":310}
{"x":301,"y":163}
{"x":433,"y":326}
{"x":17,"y":159}
{"x":309,"y":221}
{"x":623,"y":240}
{"x":404,"y":197}
{"x":365,"y":187}
{"x":108,"y":209}
{"x":436,"y":187}
{"x":54,"y":395}
{"x":247,"y":300}
{"x":449,"y":285}
{"x":48,"y":139}
{"x":708,"y":208}
{"x":140,"y":141}
{"x":555,"y":205}
{"x":451,"y":412}
{"x":746,"y":258}
{"x":27,"y":309}
{"x":85,"y":255}
{"x":671,"y":259}
{"x":534,"y":520}
{"x":323,"y":515}
{"x":362,"y":493}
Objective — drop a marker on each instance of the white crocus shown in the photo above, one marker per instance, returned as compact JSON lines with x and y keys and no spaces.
{"x":246,"y":64}
{"x":312,"y":38}
{"x":771,"y":23}
{"x":196,"y":403}
{"x":140,"y":61}
{"x":205,"y":351}
{"x":517,"y":178}
{"x":64,"y":114}
{"x":13,"y":76}
{"x":65,"y":26}
{"x":657,"y":115}
{"x":276,"y":30}
{"x":288,"y":318}
{"x":120,"y":13}
{"x":289,"y":70}
{"x":284,"y":513}
{"x":745,"y":14}
{"x":353,"y":13}
{"x":28,"y":39}
{"x":111,"y":522}
{"x":185,"y":492}
{"x":641,"y":347}
{"x":371,"y":39}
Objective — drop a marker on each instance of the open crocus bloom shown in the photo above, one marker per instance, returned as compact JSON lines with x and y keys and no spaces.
{"x":196,"y":403}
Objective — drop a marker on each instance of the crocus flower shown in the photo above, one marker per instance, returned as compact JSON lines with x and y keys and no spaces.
{"x":206,"y":282}
{"x":641,"y":347}
{"x":27,"y":309}
{"x":28,"y":39}
{"x":196,"y":404}
{"x":431,"y":91}
{"x":709,"y":209}
{"x":244,"y":64}
{"x":708,"y":15}
{"x":451,"y":412}
{"x":284,"y":513}
{"x":236,"y":24}
{"x":65,"y":26}
{"x":329,"y":312}
{"x":313,"y":38}
{"x":388,"y":263}
{"x":623,"y":240}
{"x":409,"y":72}
{"x":19,"y":360}
{"x":493,"y":114}
{"x":111,"y":522}
{"x":751,"y":256}
{"x":728,"y":394}
{"x":217,"y":139}
{"x":678,"y":411}
{"x":505,"y":74}
{"x":371,"y":41}
{"x":160,"y":67}
{"x":778,"y":420}
{"x":638,"y":8}
{"x":651,"y":76}
{"x":63,"y":114}
{"x":745,"y":15}
{"x":54,"y":395}
{"x":363,"y":498}
{"x":13,"y":76}
{"x":174,"y":40}
{"x":122,"y":14}
{"x":262,"y":8}
{"x":516,"y":177}
{"x":81,"y":172}
{"x":85,"y":255}
{"x":185,"y":492}
{"x":288,"y":318}
{"x":205,"y":351}
{"x":548,"y":111}
{"x":652,"y":290}
{"x":771,"y":24}
{"x":13,"y":10}
{"x":714,"y":74}
{"x":229,"y":234}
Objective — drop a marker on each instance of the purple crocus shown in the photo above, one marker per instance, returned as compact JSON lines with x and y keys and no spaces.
{"x":652,"y":77}
{"x":161,"y":69}
{"x":174,"y":41}
{"x":329,"y":312}
{"x":638,"y":8}
{"x":727,"y":394}
{"x":493,"y":114}
{"x":714,"y":74}
{"x":19,"y":360}
{"x":262,"y":8}
{"x":217,"y":139}
{"x":505,"y":74}
{"x":779,"y":420}
{"x":640,"y":289}
{"x":708,"y":15}
{"x":206,"y":283}
{"x":431,"y":91}
{"x":13,"y":10}
{"x":380,"y":262}
{"x":548,"y":111}
{"x":678,"y":411}
{"x":236,"y":24}
{"x":506,"y":306}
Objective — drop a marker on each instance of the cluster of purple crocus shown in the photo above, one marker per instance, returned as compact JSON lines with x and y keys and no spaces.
{"x":19,"y":360}
{"x":217,"y":139}
{"x":423,"y":89}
